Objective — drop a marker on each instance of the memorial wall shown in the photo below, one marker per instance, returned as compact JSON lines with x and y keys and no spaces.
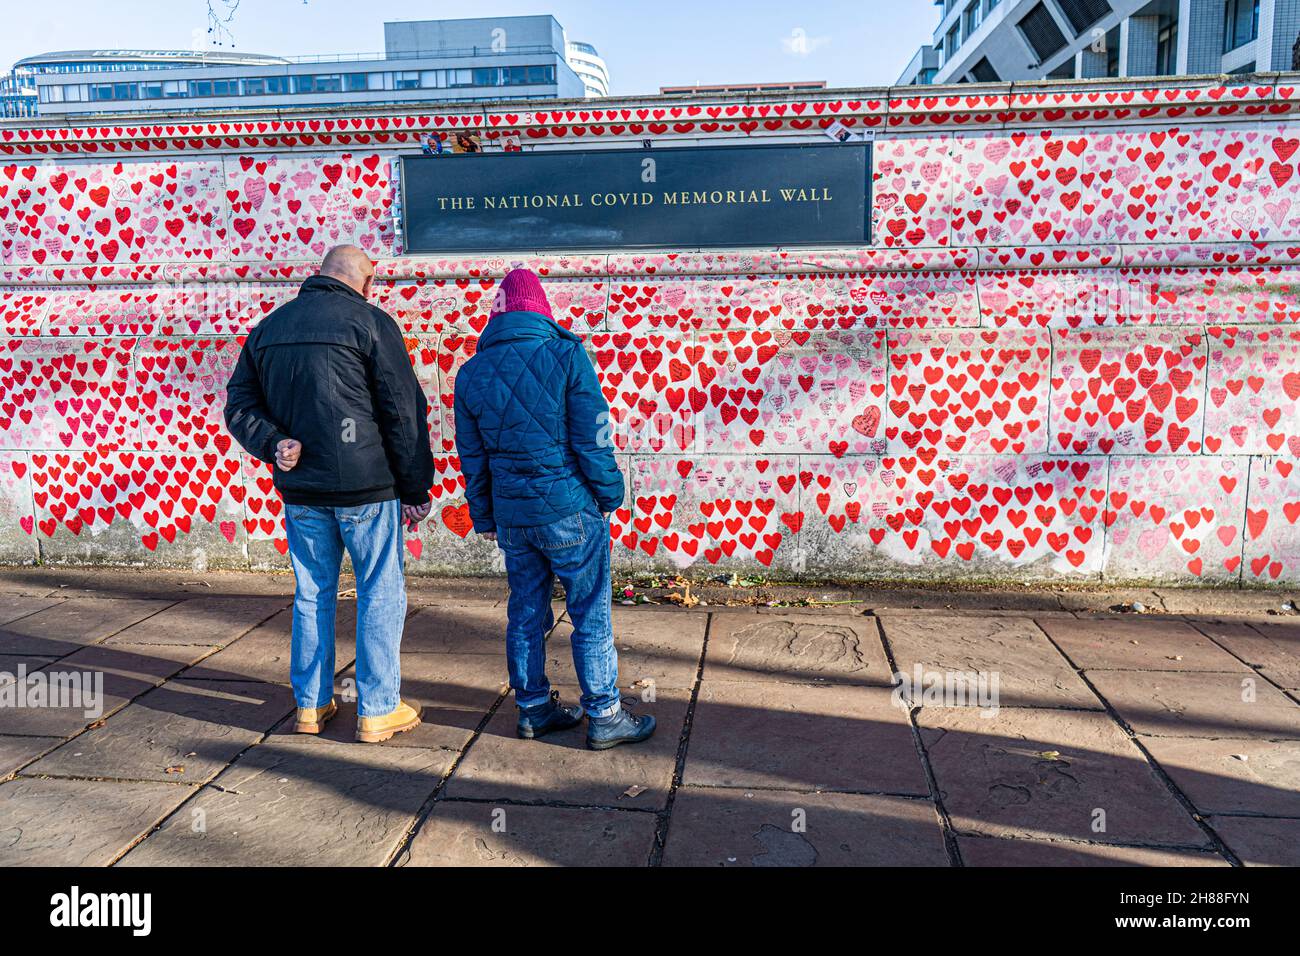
{"x":1066,"y":348}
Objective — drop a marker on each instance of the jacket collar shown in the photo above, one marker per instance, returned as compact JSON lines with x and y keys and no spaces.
{"x":320,"y":283}
{"x":512,"y":326}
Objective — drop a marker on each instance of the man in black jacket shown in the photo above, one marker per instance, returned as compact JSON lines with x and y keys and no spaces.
{"x":324,"y":389}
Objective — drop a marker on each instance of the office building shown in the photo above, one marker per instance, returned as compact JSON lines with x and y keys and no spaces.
{"x":493,"y":59}
{"x":993,"y":40}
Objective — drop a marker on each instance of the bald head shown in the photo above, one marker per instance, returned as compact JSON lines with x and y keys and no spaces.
{"x":350,"y":266}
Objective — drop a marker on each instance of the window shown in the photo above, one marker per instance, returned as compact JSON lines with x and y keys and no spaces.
{"x":983,"y":71}
{"x":355,"y":82}
{"x":200,"y":87}
{"x":1240,"y":23}
{"x":175,"y":88}
{"x":487,"y":76}
{"x":1083,"y":13}
{"x":951,"y":42}
{"x":318,"y":83}
{"x":1167,"y":49}
{"x":1041,"y":32}
{"x":253,"y":86}
{"x":225,"y":87}
{"x":406,"y":80}
{"x":375,"y":81}
{"x":971,"y":18}
{"x":277,"y":85}
{"x":151,"y":91}
{"x":101,"y":91}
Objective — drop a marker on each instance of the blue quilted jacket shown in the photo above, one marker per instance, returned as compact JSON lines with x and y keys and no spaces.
{"x":530,"y":419}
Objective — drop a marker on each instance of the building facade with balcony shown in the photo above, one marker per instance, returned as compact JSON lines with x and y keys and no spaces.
{"x":498,"y":58}
{"x":985,"y":41}
{"x":590,"y":66}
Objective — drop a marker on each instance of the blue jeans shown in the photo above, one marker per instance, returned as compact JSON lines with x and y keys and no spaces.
{"x":372,"y":535}
{"x":576,"y":550}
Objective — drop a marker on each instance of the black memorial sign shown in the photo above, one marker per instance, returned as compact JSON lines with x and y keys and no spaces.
{"x":687,"y":197}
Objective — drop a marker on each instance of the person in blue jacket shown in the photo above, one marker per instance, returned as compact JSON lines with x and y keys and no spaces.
{"x":535,"y":444}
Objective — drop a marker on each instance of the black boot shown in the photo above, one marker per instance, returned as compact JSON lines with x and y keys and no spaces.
{"x":544,"y":718}
{"x":623,"y":727}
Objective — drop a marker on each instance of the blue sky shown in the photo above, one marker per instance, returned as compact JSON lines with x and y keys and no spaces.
{"x":647,"y":44}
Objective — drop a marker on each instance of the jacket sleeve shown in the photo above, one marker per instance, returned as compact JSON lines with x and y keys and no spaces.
{"x":247,"y":417}
{"x":590,"y":433}
{"x":474,"y":466}
{"x":402,"y":412}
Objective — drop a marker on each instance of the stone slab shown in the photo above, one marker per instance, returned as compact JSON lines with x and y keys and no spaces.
{"x":16,"y":606}
{"x":1260,"y":841}
{"x":74,"y":623}
{"x":480,"y":834}
{"x":1044,"y":773}
{"x":992,"y":851}
{"x":1199,"y":704}
{"x":456,"y":592}
{"x":1143,"y":643}
{"x":1233,"y":776}
{"x":127,"y":672}
{"x":263,"y":653}
{"x":10,"y":664}
{"x":17,"y":751}
{"x":441,"y":629}
{"x":842,"y":649}
{"x":182,"y":732}
{"x":721,"y":827}
{"x":52,"y":822}
{"x":453,"y":681}
{"x":1030,"y":671}
{"x":661,"y":648}
{"x":1272,"y":648}
{"x":559,"y":769}
{"x":284,"y":803}
{"x":802,"y":737}
{"x":212,"y":620}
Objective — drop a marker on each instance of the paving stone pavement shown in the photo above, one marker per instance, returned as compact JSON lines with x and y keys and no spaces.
{"x":783,"y":736}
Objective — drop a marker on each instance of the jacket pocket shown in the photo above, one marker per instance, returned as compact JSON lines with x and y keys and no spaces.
{"x":566,"y":533}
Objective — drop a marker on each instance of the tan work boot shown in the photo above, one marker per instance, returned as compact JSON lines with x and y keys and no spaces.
{"x":312,"y":720}
{"x":373,"y":730}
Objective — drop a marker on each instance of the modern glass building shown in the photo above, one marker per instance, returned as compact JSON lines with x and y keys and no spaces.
{"x":992,"y":40}
{"x":499,"y":58}
{"x":18,"y":94}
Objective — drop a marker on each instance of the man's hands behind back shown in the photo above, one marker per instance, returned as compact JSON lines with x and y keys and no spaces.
{"x":412,"y":515}
{"x":287,"y":453}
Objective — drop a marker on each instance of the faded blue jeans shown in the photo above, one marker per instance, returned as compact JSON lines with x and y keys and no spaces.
{"x":372,"y":535}
{"x":576,"y":550}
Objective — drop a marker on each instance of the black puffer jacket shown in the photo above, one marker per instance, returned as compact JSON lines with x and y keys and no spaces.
{"x":332,"y":371}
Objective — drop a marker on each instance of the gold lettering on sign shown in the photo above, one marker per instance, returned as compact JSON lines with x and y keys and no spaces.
{"x":688,"y":197}
{"x":821,"y":194}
